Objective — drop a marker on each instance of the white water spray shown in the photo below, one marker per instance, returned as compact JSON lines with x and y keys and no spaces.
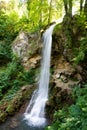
{"x":35,"y":112}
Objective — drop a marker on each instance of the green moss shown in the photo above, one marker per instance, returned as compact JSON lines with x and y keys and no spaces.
{"x":3,"y":116}
{"x":10,"y":109}
{"x":57,"y":28}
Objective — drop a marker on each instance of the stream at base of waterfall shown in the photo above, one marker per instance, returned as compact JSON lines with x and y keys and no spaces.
{"x":17,"y":123}
{"x":35,"y":112}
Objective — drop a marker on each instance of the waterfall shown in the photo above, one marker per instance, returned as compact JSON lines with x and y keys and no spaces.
{"x":35,"y":112}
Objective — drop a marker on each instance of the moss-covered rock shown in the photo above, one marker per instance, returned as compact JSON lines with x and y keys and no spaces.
{"x":3,"y":116}
{"x":64,"y":77}
{"x":13,"y":105}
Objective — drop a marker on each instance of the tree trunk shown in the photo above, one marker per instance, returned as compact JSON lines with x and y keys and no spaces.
{"x":40,"y":16}
{"x":85,"y":8}
{"x":65,"y":6}
{"x":70,"y":8}
{"x":50,"y":9}
{"x":28,"y":7}
{"x":81,"y":1}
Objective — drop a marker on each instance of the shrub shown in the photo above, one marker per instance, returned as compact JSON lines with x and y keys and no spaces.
{"x":75,"y":116}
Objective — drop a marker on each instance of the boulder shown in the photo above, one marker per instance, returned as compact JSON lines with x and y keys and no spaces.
{"x":28,"y":48}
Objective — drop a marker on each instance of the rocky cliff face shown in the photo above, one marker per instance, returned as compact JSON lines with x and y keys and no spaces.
{"x":64,"y":75}
{"x":27,"y":47}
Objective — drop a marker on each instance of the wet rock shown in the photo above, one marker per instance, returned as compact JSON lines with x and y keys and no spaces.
{"x":14,"y":123}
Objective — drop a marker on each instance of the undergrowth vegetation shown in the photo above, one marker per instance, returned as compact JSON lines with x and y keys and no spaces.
{"x":80,"y":45}
{"x":73,"y":117}
{"x":13,"y":76}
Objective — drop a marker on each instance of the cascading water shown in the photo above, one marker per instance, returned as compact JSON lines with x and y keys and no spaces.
{"x":35,"y":112}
